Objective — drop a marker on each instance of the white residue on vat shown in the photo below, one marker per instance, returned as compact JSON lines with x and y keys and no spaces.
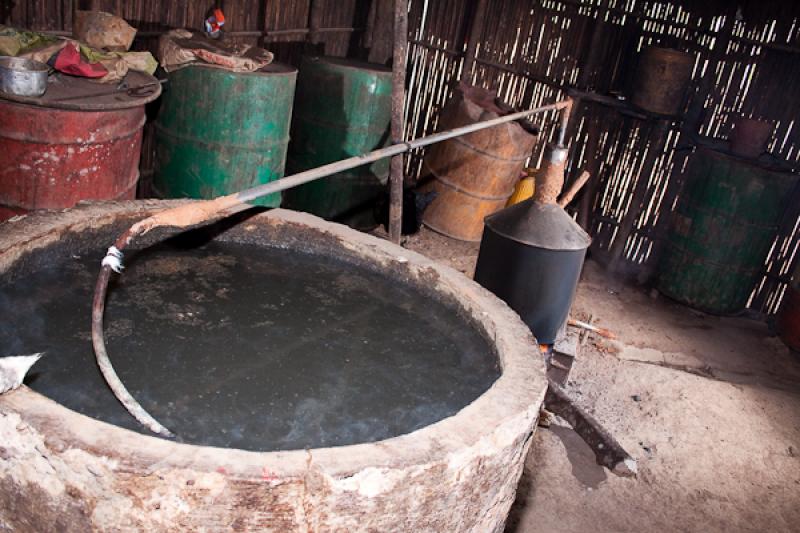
{"x":372,"y":482}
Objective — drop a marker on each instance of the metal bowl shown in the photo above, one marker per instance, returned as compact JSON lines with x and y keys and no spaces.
{"x":23,"y":77}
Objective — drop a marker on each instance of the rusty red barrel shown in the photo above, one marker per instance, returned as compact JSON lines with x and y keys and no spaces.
{"x":52,"y":157}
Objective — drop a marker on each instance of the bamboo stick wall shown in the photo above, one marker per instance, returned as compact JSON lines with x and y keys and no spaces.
{"x":536,"y":51}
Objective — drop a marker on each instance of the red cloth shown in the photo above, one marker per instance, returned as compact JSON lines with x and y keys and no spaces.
{"x":70,"y":61}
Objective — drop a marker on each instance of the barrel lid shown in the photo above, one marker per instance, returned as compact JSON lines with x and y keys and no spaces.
{"x":541,"y":225}
{"x":673,"y":53}
{"x":765,"y":162}
{"x":271,"y":69}
{"x":351,"y":63}
{"x":81,"y":94}
{"x":277,"y":68}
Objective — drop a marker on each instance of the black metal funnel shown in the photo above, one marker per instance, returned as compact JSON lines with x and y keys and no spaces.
{"x":531,"y":256}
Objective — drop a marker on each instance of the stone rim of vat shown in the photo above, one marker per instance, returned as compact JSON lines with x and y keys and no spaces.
{"x":502,"y":418}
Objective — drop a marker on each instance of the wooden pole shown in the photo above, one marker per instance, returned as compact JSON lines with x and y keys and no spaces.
{"x":398,"y":117}
{"x":378,"y":37}
{"x":595,"y":54}
{"x":475,"y":33}
{"x":316,"y":10}
{"x":586,"y":210}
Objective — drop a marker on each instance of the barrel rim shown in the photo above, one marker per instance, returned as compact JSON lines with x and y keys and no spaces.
{"x":162,"y":130}
{"x":97,"y":140}
{"x":286,"y":70}
{"x":772,"y":166}
{"x":128,"y":187}
{"x":673,"y":53}
{"x":509,"y":405}
{"x":90,"y":103}
{"x":350,"y":64}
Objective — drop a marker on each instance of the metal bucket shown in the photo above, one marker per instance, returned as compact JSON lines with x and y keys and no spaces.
{"x":531,"y":256}
{"x":473,"y":175}
{"x":23,"y":77}
{"x":219,"y":132}
{"x":721,"y":231}
{"x":662,"y":80}
{"x":342,"y":109}
{"x":54,"y":158}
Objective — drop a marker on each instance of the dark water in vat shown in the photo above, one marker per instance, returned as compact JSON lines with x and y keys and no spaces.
{"x":247,"y":347}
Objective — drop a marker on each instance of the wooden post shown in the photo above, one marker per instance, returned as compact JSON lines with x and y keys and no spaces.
{"x":377,"y":37}
{"x":586,"y":209}
{"x":595,"y":54}
{"x":475,"y":33}
{"x":316,"y":10}
{"x":398,"y":117}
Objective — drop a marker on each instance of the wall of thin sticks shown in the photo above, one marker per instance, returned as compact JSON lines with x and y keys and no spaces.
{"x":747,"y":62}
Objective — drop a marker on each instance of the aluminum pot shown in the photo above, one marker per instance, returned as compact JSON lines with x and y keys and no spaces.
{"x":23,"y":77}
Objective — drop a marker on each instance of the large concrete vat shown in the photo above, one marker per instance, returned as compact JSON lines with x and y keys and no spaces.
{"x":61,"y":470}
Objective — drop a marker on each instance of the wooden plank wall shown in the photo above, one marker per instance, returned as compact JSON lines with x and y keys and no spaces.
{"x":536,"y":51}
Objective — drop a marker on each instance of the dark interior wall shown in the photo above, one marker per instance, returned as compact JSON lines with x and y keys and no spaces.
{"x":281,"y":25}
{"x":533,"y":52}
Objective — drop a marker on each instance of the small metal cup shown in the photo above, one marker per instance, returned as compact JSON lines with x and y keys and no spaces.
{"x":23,"y":77}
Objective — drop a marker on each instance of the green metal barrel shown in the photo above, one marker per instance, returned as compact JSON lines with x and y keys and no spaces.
{"x":722,"y":231}
{"x":219,"y":132}
{"x":342,"y":109}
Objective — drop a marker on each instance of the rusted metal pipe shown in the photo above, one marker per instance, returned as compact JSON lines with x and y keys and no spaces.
{"x":389,"y":151}
{"x":562,"y":128}
{"x":398,"y":117}
{"x":203,"y":210}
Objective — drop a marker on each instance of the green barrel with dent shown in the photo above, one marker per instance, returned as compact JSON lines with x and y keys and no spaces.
{"x":342,"y":109}
{"x":219,"y":132}
{"x":722,"y":231}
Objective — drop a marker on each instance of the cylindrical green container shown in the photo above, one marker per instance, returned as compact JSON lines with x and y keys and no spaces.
{"x":721,"y":232}
{"x":219,"y":132}
{"x":342,"y":109}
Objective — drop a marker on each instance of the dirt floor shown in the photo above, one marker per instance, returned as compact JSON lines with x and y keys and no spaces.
{"x":709,"y":407}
